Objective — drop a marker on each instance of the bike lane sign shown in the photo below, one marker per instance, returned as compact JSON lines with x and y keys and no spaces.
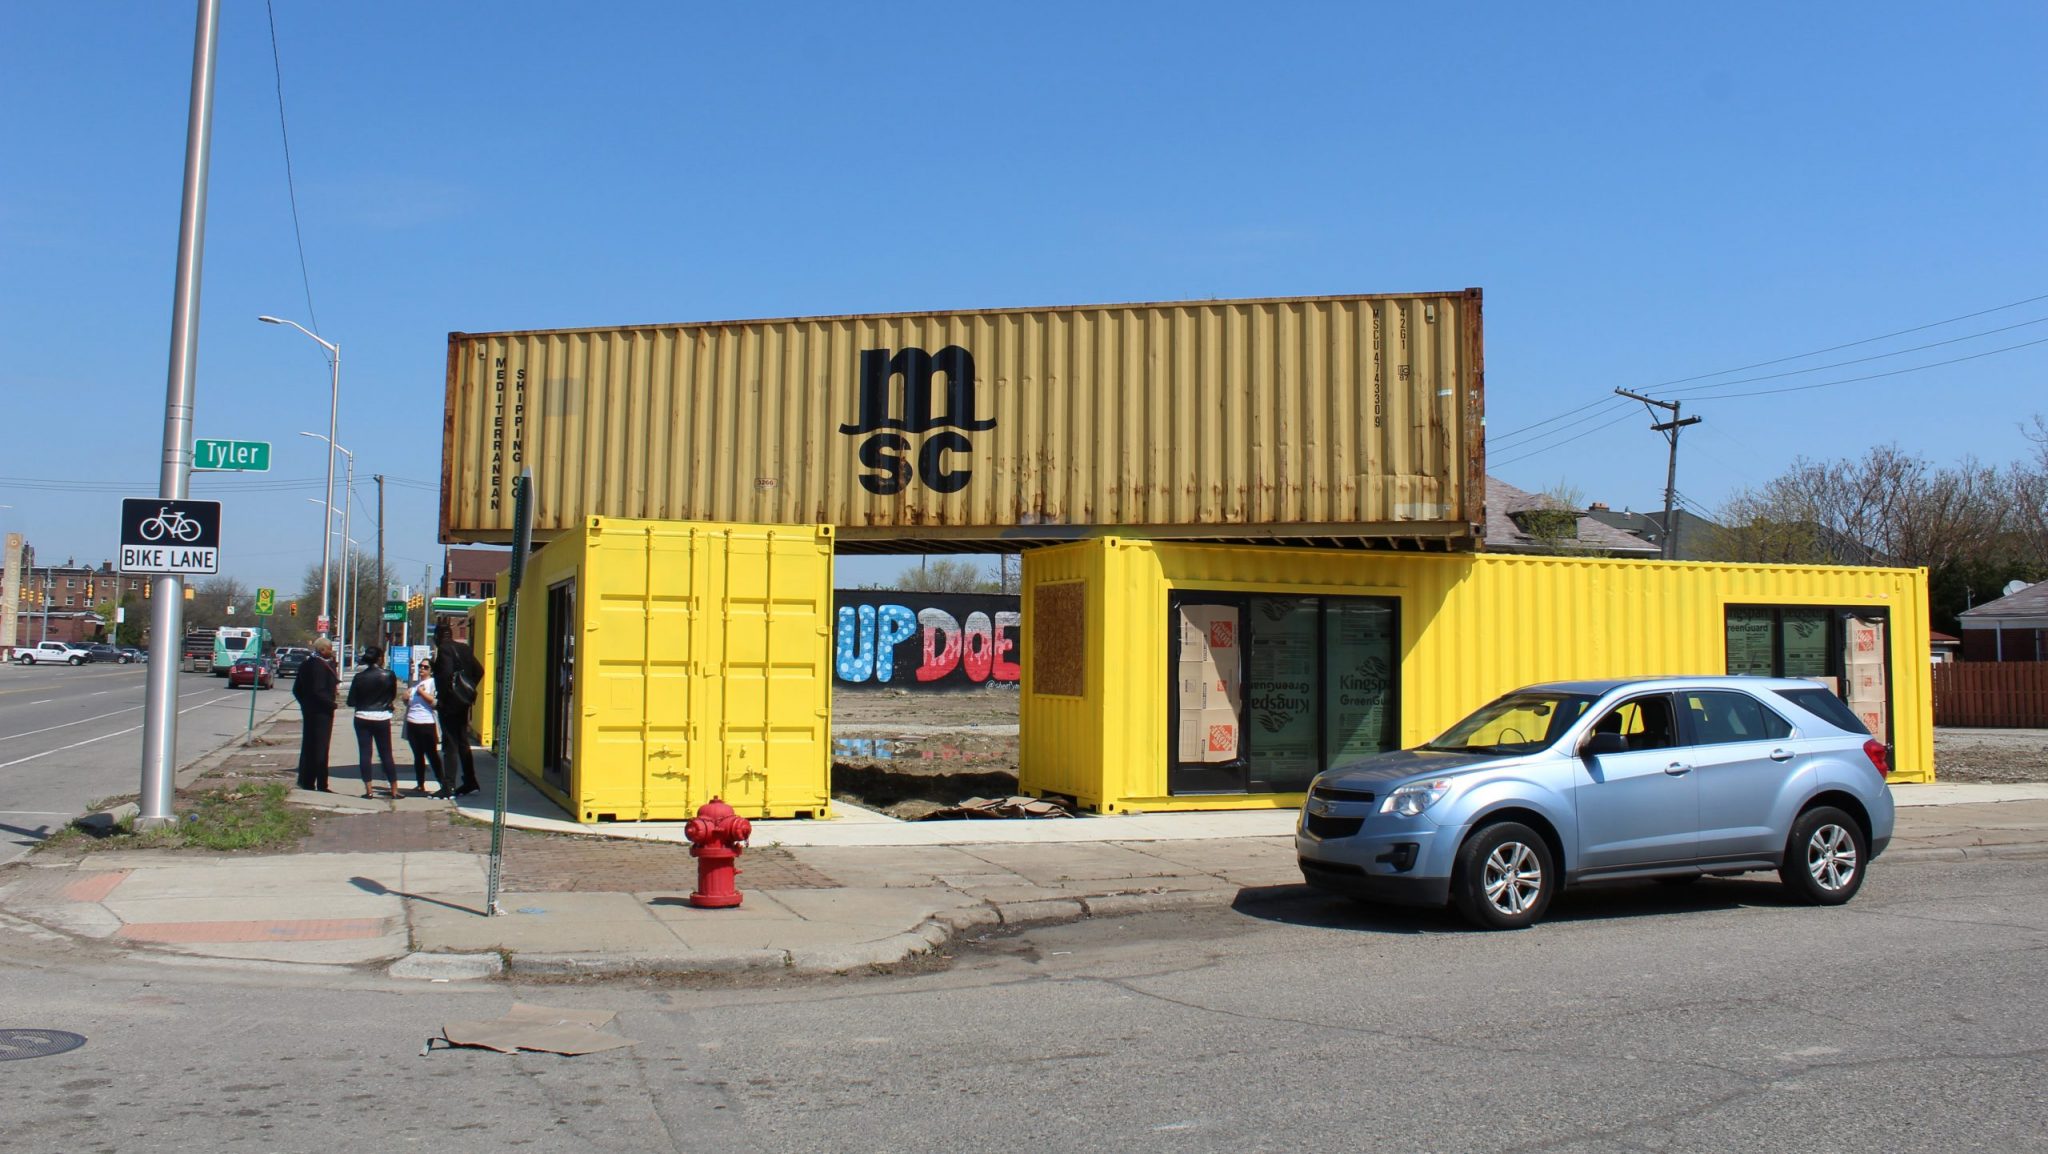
{"x":164,"y":536}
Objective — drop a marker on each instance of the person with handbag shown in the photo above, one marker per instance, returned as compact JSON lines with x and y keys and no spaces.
{"x":372,"y":694}
{"x":457,"y":673}
{"x":421,"y":735}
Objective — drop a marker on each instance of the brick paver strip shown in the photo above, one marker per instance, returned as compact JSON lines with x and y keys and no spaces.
{"x":310,"y":930}
{"x":551,"y":863}
{"x":95,"y":886}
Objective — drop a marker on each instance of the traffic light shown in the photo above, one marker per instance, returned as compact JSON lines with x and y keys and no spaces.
{"x":189,"y":591}
{"x":295,"y":609}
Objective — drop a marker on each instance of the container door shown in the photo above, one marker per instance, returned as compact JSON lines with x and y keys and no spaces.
{"x":1206,"y":718}
{"x":558,"y":726}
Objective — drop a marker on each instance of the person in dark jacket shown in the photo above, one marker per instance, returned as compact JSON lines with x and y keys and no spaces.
{"x":314,"y":688}
{"x":372,"y":694}
{"x":450,"y":657}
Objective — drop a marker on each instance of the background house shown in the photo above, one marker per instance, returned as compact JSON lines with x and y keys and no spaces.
{"x":2012,"y":628}
{"x":1522,"y":522}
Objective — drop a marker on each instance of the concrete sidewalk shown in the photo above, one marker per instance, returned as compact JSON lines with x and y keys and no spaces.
{"x":401,"y":885}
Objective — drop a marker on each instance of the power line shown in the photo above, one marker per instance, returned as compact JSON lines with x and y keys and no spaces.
{"x":290,"y":187}
{"x":1851,"y":344}
{"x":1878,"y":376}
{"x":1862,"y":360}
{"x":1524,"y":433}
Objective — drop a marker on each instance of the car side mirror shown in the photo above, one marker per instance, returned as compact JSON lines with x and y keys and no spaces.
{"x":1597,"y":744}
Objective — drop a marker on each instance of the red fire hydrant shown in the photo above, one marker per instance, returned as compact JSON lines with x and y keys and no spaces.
{"x":717,"y":837}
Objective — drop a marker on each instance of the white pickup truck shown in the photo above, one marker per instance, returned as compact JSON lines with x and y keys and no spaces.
{"x":51,"y":653}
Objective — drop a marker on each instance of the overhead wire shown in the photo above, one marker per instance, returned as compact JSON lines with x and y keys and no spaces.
{"x":1523,"y":439}
{"x":290,"y":185}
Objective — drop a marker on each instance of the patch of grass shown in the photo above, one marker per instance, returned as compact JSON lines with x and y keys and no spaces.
{"x":249,"y":816}
{"x":252,"y":815}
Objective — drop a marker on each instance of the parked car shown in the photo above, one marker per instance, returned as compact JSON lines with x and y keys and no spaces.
{"x":254,"y":672}
{"x":289,"y":660}
{"x":134,"y":654}
{"x":1552,"y":785}
{"x":51,"y":653}
{"x":100,"y":651}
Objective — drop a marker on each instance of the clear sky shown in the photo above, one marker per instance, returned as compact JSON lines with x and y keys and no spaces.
{"x":1646,"y":193}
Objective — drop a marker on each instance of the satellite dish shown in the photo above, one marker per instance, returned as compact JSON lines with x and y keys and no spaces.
{"x":2012,"y":587}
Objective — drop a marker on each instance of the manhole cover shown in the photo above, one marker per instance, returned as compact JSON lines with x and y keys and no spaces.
{"x":15,"y":1044}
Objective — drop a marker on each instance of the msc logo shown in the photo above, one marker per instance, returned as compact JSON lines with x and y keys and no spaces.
{"x":887,"y":454}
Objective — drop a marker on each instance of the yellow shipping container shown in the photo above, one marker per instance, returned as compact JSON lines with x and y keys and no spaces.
{"x":1356,"y":419}
{"x":483,"y":641}
{"x":1164,"y":676}
{"x":662,"y":663}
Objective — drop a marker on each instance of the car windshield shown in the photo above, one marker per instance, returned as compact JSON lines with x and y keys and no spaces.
{"x":1517,"y":723}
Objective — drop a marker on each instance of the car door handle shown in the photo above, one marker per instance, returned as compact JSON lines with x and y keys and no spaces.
{"x":1781,"y":755}
{"x":1676,"y":769}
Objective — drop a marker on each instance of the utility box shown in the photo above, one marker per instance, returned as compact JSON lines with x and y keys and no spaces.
{"x":663,"y":663}
{"x":483,"y":641}
{"x":1170,"y":676}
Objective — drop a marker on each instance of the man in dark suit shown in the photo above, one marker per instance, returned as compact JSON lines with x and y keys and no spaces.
{"x":451,"y":656}
{"x":314,"y":688}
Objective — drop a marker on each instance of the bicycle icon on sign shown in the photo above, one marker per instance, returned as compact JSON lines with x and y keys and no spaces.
{"x":170,"y":523}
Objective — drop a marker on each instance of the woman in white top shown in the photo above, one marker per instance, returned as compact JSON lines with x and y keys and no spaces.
{"x":423,"y":736}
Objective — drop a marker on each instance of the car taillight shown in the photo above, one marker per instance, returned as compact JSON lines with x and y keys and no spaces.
{"x":1874,"y":750}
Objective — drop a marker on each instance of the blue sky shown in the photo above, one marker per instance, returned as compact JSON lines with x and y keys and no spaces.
{"x":1645,"y":192}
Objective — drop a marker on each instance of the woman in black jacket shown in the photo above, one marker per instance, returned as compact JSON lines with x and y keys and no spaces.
{"x":314,"y":688}
{"x":371,"y":694}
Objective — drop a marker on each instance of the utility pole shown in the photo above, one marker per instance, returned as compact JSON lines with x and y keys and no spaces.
{"x":167,"y":606}
{"x":1668,"y":547}
{"x":383,"y":583}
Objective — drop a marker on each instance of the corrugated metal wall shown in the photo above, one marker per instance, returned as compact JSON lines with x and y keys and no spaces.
{"x":1344,"y":417}
{"x":1472,"y":627}
{"x":701,"y":661}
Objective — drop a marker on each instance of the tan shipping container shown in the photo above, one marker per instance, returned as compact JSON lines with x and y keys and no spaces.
{"x":1349,"y":419}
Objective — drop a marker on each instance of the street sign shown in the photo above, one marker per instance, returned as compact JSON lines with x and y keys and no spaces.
{"x":236,"y":456}
{"x":394,"y":611}
{"x":320,"y":627}
{"x":165,"y":536}
{"x":266,"y":602}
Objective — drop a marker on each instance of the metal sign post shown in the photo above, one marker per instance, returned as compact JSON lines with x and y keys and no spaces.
{"x":508,"y":634}
{"x":262,"y":628}
{"x":181,"y":393}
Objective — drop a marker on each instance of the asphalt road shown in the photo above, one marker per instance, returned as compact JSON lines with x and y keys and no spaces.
{"x":70,"y":736}
{"x":1716,"y":1018}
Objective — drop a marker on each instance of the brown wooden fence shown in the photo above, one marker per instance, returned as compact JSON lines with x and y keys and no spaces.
{"x":1994,"y":694}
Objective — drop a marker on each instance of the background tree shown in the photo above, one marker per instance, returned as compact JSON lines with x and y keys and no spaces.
{"x":949,"y":575}
{"x":371,"y":588}
{"x":211,"y":597}
{"x":1966,"y":524}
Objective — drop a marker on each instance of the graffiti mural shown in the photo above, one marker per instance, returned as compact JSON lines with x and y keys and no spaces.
{"x":885,"y":638}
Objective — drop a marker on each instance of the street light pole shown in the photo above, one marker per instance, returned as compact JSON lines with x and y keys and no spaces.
{"x":181,"y":392}
{"x":333,"y":411}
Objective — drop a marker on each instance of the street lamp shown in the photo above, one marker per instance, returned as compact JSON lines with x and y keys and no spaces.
{"x":348,"y":487}
{"x":333,"y":410}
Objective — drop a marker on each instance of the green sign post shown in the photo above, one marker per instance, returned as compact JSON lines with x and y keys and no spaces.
{"x":234,"y":456}
{"x":265,"y":599}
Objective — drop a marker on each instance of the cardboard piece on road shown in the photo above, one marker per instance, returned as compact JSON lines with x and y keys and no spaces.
{"x":543,"y":1028}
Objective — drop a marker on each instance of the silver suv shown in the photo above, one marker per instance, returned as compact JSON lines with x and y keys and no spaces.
{"x":1670,"y":778}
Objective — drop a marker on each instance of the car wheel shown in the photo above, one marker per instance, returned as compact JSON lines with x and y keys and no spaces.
{"x":78,"y":661}
{"x":1505,"y":877}
{"x":1825,"y":857}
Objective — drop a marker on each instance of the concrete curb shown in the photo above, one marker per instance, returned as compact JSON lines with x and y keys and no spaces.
{"x":1967,"y":853}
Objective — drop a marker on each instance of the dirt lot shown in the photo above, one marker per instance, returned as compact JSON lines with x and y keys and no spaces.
{"x":909,"y":753}
{"x":2002,"y":756}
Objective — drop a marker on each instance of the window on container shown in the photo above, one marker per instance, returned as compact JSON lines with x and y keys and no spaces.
{"x":1271,"y":689}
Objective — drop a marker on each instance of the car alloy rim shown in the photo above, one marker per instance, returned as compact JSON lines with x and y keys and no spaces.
{"x":1513,"y":878}
{"x":1831,"y":857}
